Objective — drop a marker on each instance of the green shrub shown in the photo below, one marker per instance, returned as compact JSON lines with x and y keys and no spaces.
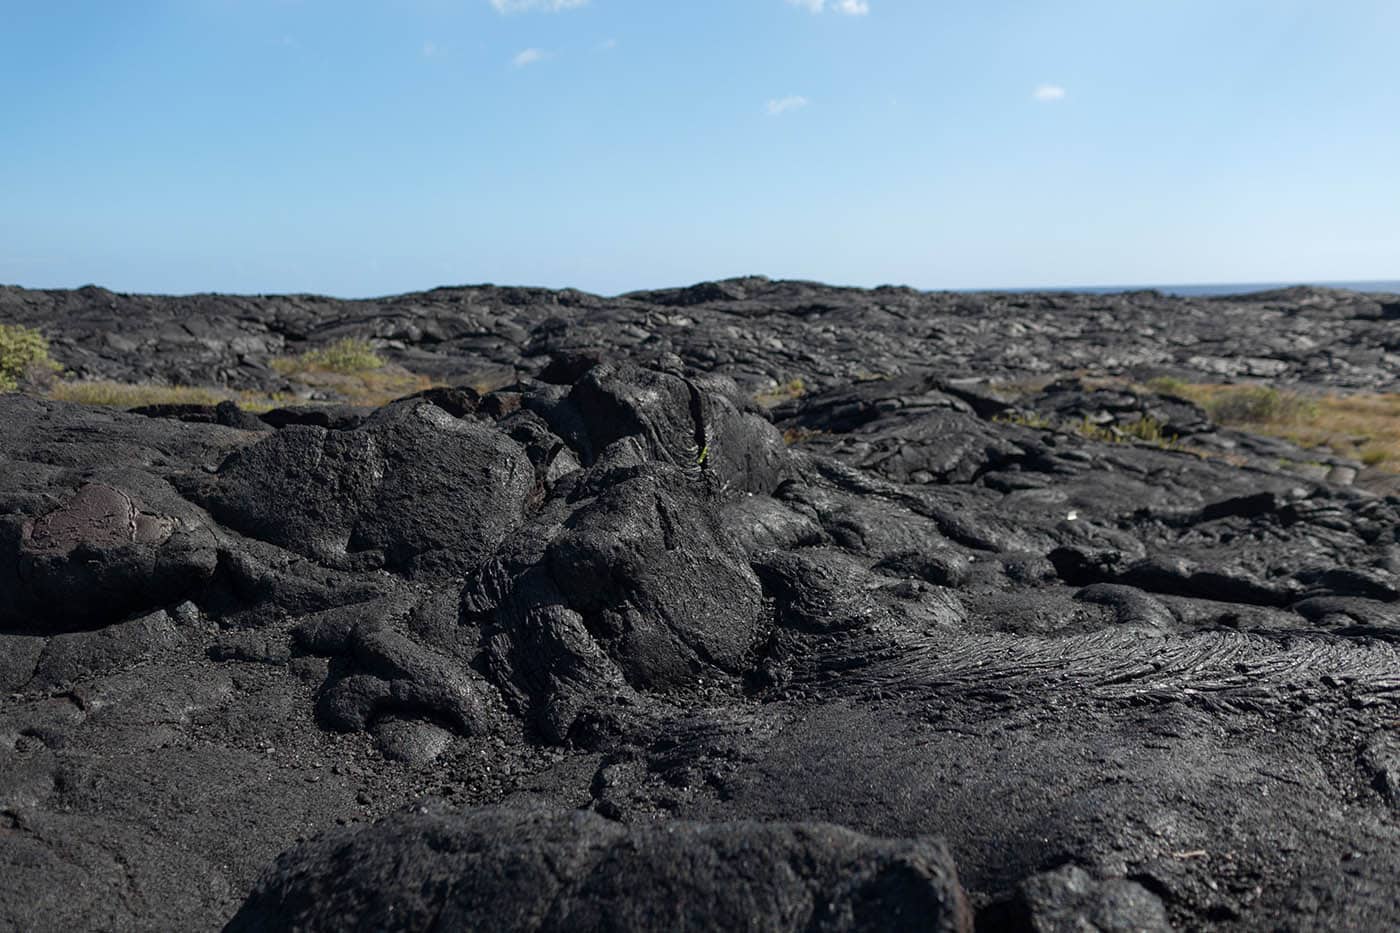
{"x":24,"y":354}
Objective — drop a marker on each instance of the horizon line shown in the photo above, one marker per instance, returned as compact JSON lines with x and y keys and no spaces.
{"x":1245,"y":288}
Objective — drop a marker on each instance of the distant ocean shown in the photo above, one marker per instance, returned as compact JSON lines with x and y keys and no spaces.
{"x":1196,"y":291}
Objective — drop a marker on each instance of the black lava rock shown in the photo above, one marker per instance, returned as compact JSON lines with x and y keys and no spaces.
{"x":751,"y":604}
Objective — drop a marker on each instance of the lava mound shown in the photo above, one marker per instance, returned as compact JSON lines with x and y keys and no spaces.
{"x":505,"y":869}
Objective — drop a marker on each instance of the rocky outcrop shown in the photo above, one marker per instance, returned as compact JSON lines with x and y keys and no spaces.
{"x":759,"y":332}
{"x":413,"y":489}
{"x":525,"y":870}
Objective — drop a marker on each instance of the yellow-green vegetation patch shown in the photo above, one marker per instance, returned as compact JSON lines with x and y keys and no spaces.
{"x":1149,"y":430}
{"x":1258,"y":404}
{"x":112,"y":394}
{"x":1363,"y":425}
{"x":370,"y":388}
{"x":24,"y":353}
{"x":788,"y":391}
{"x":1141,"y":430}
{"x":346,"y":356}
{"x":1169,"y":385}
{"x":351,"y":370}
{"x":1025,"y":419}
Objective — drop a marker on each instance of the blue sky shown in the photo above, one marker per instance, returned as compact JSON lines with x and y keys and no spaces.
{"x":357,"y":148}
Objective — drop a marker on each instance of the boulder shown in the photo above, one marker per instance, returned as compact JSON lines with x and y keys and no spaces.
{"x":539,"y":870}
{"x":630,"y":580}
{"x":97,"y":557}
{"x":413,"y":489}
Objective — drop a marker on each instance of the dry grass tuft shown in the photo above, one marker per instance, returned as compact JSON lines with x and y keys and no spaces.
{"x":1363,"y":426}
{"x":347,"y":356}
{"x":369,"y":388}
{"x":1142,"y":431}
{"x":1026,"y":419}
{"x":113,"y":394}
{"x":787,"y":392}
{"x":351,"y":370}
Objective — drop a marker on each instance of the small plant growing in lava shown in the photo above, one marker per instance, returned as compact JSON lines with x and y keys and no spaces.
{"x":24,"y":354}
{"x":346,"y":356}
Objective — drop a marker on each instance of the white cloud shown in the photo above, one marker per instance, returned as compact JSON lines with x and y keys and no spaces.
{"x":781,"y":105}
{"x":1048,"y":93}
{"x":430,"y":50}
{"x":848,"y":7}
{"x":529,"y":57}
{"x":526,"y":6}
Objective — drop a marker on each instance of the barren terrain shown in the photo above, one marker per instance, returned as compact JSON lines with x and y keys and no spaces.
{"x":751,"y":604}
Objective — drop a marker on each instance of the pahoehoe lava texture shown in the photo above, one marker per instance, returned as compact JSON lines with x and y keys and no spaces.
{"x":610,"y":646}
{"x":525,"y":870}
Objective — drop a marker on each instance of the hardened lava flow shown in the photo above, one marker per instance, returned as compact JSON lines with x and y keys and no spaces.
{"x":622,"y":627}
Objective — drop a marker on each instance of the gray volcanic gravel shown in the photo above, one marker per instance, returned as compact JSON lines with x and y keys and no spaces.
{"x":613,"y":647}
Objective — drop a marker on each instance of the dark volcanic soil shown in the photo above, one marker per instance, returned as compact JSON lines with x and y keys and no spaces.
{"x":611,"y":647}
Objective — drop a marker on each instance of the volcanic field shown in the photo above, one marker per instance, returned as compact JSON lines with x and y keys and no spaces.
{"x":751,"y":605}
